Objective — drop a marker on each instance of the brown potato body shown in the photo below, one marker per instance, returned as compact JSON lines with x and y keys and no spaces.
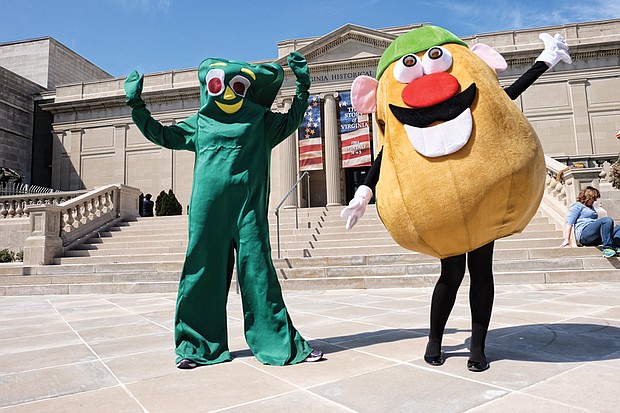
{"x":489,"y":189}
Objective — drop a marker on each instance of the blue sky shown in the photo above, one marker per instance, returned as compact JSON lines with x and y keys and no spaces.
{"x":160,"y":35}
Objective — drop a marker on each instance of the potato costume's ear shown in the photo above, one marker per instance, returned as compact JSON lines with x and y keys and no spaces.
{"x":490,"y":56}
{"x":364,"y":94}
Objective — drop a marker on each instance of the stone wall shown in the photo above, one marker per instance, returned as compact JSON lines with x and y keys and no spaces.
{"x":48,"y":63}
{"x":16,"y":121}
{"x":14,"y":233}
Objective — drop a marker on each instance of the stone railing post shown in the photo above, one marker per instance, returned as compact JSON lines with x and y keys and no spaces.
{"x":128,"y":202}
{"x":577,"y":179}
{"x":44,"y":243}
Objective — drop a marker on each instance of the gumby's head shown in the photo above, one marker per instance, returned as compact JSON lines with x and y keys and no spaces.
{"x":228,"y":86}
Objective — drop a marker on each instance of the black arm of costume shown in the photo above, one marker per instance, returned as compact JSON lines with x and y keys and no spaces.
{"x":373,"y":174}
{"x":526,"y":80}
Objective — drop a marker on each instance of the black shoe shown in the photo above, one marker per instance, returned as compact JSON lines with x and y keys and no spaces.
{"x":477,"y":366}
{"x":315,"y":355}
{"x":186,"y":364}
{"x":434,"y":360}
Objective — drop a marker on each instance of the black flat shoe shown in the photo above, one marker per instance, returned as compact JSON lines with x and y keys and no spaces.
{"x":186,"y":364}
{"x":434,"y":360}
{"x":477,"y":366}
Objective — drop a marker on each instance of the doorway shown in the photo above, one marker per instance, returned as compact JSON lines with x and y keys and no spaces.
{"x":354,"y":177}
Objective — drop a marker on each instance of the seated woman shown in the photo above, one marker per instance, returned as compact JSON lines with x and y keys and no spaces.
{"x":589,"y":229}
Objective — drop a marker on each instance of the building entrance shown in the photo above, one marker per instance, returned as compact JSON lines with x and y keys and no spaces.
{"x":354,"y":177}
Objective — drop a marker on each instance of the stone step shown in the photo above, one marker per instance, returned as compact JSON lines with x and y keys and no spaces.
{"x":147,"y":255}
{"x":86,"y":257}
{"x":388,"y":241}
{"x":10,"y":268}
{"x":117,"y":259}
{"x":126,"y":285}
{"x":414,"y":281}
{"x":433,"y":268}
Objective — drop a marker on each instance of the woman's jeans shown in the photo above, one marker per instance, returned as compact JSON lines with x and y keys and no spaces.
{"x":601,"y":232}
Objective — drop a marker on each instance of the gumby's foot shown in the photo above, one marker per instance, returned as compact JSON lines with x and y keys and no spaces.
{"x":316,"y":355}
{"x":186,"y":364}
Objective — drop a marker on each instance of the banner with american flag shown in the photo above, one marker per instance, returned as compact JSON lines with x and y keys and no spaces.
{"x":309,"y":135}
{"x":354,"y":134}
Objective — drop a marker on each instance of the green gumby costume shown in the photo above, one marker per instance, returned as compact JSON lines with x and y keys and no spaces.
{"x":232,"y":136}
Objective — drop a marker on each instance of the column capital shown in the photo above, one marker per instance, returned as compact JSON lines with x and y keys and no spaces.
{"x":283,"y":102}
{"x":327,"y":95}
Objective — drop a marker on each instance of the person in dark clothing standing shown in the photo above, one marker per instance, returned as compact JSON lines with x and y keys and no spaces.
{"x":147,"y":206}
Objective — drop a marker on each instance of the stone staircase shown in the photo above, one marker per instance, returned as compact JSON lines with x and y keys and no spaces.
{"x":146,"y":255}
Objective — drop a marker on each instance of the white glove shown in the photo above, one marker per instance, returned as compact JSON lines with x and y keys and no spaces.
{"x":357,"y":206}
{"x":556,"y":49}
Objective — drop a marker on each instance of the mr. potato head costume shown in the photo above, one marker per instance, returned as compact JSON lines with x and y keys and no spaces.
{"x":459,"y":165}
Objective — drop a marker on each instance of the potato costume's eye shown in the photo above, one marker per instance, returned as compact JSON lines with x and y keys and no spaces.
{"x":215,"y":82}
{"x":436,"y":59}
{"x":408,"y":69}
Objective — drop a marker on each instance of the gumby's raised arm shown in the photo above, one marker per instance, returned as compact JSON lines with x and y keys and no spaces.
{"x":280,"y":125}
{"x":180,"y":136}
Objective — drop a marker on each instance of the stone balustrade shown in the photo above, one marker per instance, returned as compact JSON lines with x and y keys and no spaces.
{"x":55,"y":227}
{"x":14,"y":206}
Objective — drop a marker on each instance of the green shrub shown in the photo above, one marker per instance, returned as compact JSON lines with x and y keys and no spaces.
{"x":7,"y":255}
{"x":174,"y":204}
{"x":167,"y":204}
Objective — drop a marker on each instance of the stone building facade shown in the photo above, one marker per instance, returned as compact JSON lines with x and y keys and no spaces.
{"x":575,"y":110}
{"x":28,"y":68}
{"x":17,"y":120}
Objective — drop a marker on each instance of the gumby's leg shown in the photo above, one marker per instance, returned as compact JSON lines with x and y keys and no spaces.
{"x":200,"y":323}
{"x":269,"y":330}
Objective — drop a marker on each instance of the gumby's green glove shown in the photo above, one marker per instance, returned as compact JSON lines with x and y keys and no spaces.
{"x":298,"y":64}
{"x":133,"y":89}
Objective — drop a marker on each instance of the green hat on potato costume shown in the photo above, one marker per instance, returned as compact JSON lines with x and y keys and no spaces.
{"x":415,"y":41}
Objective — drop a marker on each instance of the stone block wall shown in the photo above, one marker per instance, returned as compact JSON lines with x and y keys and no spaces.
{"x":16,"y":121}
{"x":48,"y":63}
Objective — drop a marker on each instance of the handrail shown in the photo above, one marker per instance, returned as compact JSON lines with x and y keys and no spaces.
{"x":277,"y":212}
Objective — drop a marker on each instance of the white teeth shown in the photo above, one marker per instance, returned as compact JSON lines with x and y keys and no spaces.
{"x":442,"y":139}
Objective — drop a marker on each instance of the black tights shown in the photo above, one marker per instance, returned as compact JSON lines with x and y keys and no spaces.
{"x":481,"y":292}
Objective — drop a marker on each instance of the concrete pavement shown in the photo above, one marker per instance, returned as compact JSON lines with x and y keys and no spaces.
{"x":553,"y":348}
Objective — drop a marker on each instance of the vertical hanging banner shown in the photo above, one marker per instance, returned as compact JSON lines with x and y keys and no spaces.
{"x":309,"y":135}
{"x":354,"y":134}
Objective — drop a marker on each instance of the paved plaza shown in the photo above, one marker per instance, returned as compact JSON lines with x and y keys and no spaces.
{"x":553,"y":348}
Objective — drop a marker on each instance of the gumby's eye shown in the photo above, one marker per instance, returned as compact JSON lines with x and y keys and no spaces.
{"x":436,"y":59}
{"x":408,"y":68}
{"x":215,"y":82}
{"x":240,"y":85}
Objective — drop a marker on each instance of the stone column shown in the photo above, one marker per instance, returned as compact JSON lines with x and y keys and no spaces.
{"x":57,"y":159}
{"x":75,"y":156}
{"x":44,"y":242}
{"x":583,"y":138}
{"x":120,"y":143}
{"x":332,"y":150}
{"x":289,"y":164}
{"x":375,"y":135}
